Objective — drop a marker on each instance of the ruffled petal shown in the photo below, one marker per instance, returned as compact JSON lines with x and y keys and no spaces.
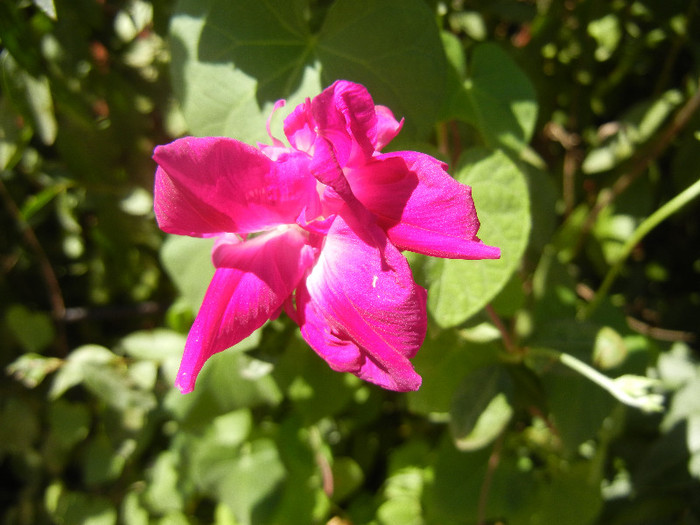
{"x":387,"y":127}
{"x":206,"y":186}
{"x":337,"y":193}
{"x":360,"y":309}
{"x":252,"y":282}
{"x":344,"y":114}
{"x":420,"y":206}
{"x":299,"y":127}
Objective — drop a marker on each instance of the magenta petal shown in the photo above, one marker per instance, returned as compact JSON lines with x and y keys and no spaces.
{"x":206,"y":186}
{"x":387,"y":127}
{"x":420,"y":206}
{"x":360,"y":309}
{"x":345,"y":115}
{"x":240,"y":298}
{"x":299,"y":127}
{"x":275,"y":255}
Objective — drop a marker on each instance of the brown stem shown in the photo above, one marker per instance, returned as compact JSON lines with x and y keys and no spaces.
{"x":496,"y":319}
{"x":640,"y":165}
{"x":494,"y":459}
{"x":55,"y":296}
{"x":322,"y":462}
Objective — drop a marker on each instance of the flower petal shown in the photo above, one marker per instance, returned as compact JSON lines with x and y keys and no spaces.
{"x":252,"y":282}
{"x":206,"y":186}
{"x":387,"y":127}
{"x":299,"y":127}
{"x":420,"y":206}
{"x":344,"y":114}
{"x":360,"y":309}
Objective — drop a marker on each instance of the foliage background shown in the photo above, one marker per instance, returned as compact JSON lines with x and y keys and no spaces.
{"x":575,"y":122}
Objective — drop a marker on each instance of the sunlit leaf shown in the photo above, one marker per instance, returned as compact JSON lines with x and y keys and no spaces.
{"x":480,"y":408}
{"x":498,"y":99}
{"x":163,"y":494}
{"x":347,"y":477}
{"x":634,"y":128}
{"x":66,"y":506}
{"x":215,"y":80}
{"x":104,"y":461}
{"x":188,"y":262}
{"x":47,"y":6}
{"x":31,"y":369}
{"x":392,"y":47}
{"x":233,"y":60}
{"x":158,"y":345}
{"x":243,"y":479}
{"x":458,"y":289}
{"x":610,"y":349}
{"x":73,"y":371}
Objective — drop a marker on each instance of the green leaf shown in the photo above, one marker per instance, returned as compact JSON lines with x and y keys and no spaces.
{"x":106,"y":376}
{"x":406,"y":511}
{"x":453,"y":496}
{"x":306,"y":457}
{"x":33,"y":330}
{"x":20,"y":425}
{"x":72,"y":372}
{"x":268,"y":41}
{"x":102,"y":461}
{"x":394,"y":48}
{"x":443,"y":362}
{"x":480,"y":408}
{"x":347,"y":477}
{"x":607,"y":33}
{"x":458,"y":289}
{"x":47,"y":6}
{"x":230,"y":429}
{"x":158,"y":345}
{"x":219,"y":47}
{"x":188,"y":263}
{"x":247,"y":479}
{"x":35,"y":97}
{"x":610,"y":349}
{"x":578,"y":406}
{"x":31,"y":369}
{"x":498,"y":99}
{"x":229,"y":380}
{"x":132,"y":512}
{"x":569,"y":496}
{"x":70,"y":423}
{"x":76,"y":507}
{"x":37,"y":202}
{"x":634,"y":129}
{"x":13,"y":135}
{"x":163,"y":494}
{"x":308,"y":379}
{"x":233,"y":60}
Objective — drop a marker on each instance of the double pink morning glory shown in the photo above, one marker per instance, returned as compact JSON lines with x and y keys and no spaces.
{"x":317,"y":229}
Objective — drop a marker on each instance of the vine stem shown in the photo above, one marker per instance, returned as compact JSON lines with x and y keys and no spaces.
{"x":322,"y":461}
{"x":494,"y":460}
{"x":644,"y":228}
{"x":58,"y":306}
{"x":648,"y":155}
{"x":505,"y":335}
{"x":630,"y":390}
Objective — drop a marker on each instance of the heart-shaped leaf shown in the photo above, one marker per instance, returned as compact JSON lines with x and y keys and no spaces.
{"x":458,"y":289}
{"x":232,"y":60}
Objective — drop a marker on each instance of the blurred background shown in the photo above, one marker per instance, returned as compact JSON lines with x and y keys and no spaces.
{"x":577,"y":125}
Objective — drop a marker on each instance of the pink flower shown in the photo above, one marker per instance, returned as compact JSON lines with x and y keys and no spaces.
{"x":331,"y":216}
